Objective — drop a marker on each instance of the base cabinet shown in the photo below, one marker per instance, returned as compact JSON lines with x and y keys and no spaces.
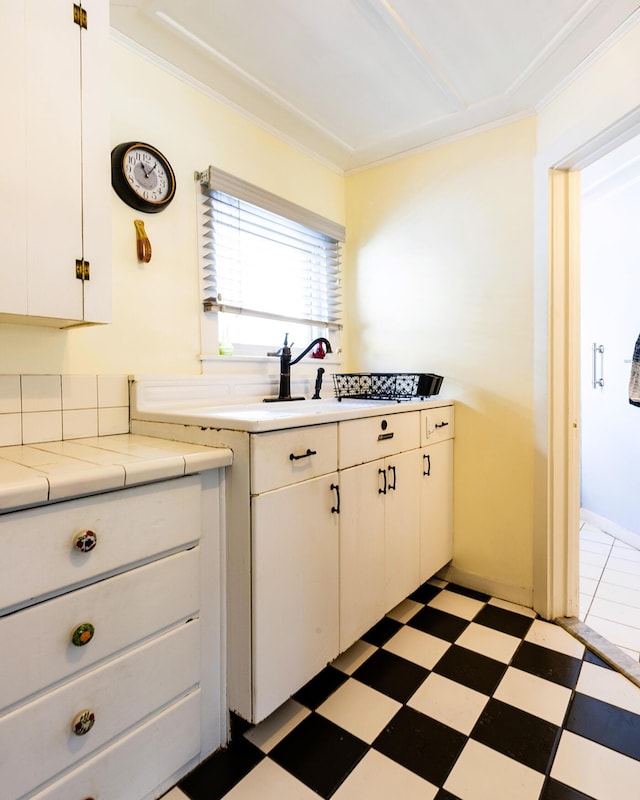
{"x":110,"y":642}
{"x":436,"y":508}
{"x":334,"y":539}
{"x":295,"y":588}
{"x":362,"y":550}
{"x":379,"y":540}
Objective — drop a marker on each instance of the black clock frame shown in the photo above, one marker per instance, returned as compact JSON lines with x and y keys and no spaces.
{"x":123,"y":188}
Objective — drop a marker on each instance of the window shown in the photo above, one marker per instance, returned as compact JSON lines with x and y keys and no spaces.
{"x":269,"y":266}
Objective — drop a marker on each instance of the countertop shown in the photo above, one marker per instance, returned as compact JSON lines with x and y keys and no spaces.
{"x":262,"y":417}
{"x":52,"y":471}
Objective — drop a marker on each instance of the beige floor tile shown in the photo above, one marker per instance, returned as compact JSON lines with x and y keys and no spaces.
{"x":484,"y":774}
{"x":359,"y":709}
{"x":595,"y":770}
{"x":449,"y":702}
{"x":377,"y":777}
{"x":421,"y":648}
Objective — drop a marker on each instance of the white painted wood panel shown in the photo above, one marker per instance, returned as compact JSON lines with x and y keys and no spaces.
{"x":281,"y":458}
{"x":436,"y":425}
{"x":38,"y":741}
{"x":436,"y":508}
{"x":362,"y":440}
{"x":402,"y":527}
{"x":131,"y":525}
{"x":36,"y":642}
{"x":137,"y":763}
{"x":13,"y":173}
{"x":362,"y":550}
{"x":295,"y":589}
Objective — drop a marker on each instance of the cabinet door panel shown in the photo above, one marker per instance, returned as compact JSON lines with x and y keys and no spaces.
{"x":436,"y":538}
{"x":125,"y":609}
{"x":37,"y":738}
{"x":295,"y":589}
{"x":53,"y":169}
{"x":96,"y":167}
{"x":13,"y":172}
{"x":402,"y":526}
{"x":362,"y":594}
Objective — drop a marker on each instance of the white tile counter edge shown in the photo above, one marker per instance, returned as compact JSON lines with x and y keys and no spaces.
{"x":52,"y":471}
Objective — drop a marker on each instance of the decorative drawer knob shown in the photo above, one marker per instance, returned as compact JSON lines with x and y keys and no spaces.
{"x":83,"y":722}
{"x":85,"y":541}
{"x":83,"y":634}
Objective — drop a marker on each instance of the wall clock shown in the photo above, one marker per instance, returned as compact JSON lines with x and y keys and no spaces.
{"x":142,"y":177}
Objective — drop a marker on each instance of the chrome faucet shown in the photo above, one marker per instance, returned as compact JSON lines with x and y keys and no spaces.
{"x":286,"y":363}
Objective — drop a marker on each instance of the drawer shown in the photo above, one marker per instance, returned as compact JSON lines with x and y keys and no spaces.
{"x":362,"y":440}
{"x":139,"y":762}
{"x":37,"y":738}
{"x":36,"y":645}
{"x":281,"y":458}
{"x":132,"y":525}
{"x":436,"y":425}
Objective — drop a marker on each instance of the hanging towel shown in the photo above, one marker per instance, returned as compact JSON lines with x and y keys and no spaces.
{"x":634,"y":381}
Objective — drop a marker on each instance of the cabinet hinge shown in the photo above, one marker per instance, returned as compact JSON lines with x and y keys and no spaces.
{"x":83,"y":270}
{"x":79,"y":16}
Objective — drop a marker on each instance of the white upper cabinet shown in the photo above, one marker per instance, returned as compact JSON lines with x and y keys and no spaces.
{"x":55,"y":188}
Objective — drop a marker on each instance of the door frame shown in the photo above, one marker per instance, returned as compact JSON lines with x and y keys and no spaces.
{"x":556,"y":363}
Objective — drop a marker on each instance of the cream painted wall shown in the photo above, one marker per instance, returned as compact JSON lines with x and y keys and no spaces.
{"x":156,"y":309}
{"x":441,"y":272}
{"x":604,"y":94}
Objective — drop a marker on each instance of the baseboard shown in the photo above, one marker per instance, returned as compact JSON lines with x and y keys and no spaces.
{"x":612,"y":528}
{"x":519,"y":595}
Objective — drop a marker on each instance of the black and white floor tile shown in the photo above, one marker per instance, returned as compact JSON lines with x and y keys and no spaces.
{"x":452,"y":696}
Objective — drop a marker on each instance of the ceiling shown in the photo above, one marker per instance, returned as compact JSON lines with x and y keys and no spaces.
{"x":357,"y":82}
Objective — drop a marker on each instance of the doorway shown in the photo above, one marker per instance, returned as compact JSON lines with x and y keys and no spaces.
{"x":609,"y":552}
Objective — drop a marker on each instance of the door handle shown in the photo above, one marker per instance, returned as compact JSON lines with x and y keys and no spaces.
{"x":426,"y":457}
{"x":598,"y":349}
{"x":336,"y":509}
{"x":392,"y":486}
{"x":383,"y":472}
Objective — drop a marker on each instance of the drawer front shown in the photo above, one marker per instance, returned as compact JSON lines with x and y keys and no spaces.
{"x":36,"y":643}
{"x":362,"y":440}
{"x":37,"y":739}
{"x":38,"y":553}
{"x":139,"y":762}
{"x":436,"y":425}
{"x":281,"y":458}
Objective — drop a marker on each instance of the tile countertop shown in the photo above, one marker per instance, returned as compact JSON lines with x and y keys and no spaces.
{"x":52,"y":471}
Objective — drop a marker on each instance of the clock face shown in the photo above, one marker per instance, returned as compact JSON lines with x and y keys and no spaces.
{"x":142,"y":176}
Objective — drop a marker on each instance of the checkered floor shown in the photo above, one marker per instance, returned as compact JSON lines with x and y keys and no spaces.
{"x":452,"y":696}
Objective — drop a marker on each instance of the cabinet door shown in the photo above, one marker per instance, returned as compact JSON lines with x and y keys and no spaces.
{"x":13,"y":179}
{"x":53,"y":160}
{"x":402,"y":526}
{"x":295,"y":588}
{"x":362,"y":593}
{"x":436,"y":536}
{"x":54,"y":192}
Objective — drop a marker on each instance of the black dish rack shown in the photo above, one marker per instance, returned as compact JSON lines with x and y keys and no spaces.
{"x":396,"y":386}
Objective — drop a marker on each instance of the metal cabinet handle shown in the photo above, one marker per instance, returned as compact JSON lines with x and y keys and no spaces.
{"x":383,"y":436}
{"x":392,"y":486}
{"x":293,"y":457}
{"x":383,"y":472}
{"x":426,"y":457}
{"x":336,"y":509}
{"x":441,"y":424}
{"x":85,"y":541}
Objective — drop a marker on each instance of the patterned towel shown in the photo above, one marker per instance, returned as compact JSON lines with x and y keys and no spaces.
{"x":634,"y":381}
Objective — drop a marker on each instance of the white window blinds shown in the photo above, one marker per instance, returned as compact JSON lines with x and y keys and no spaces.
{"x":267,"y":257}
